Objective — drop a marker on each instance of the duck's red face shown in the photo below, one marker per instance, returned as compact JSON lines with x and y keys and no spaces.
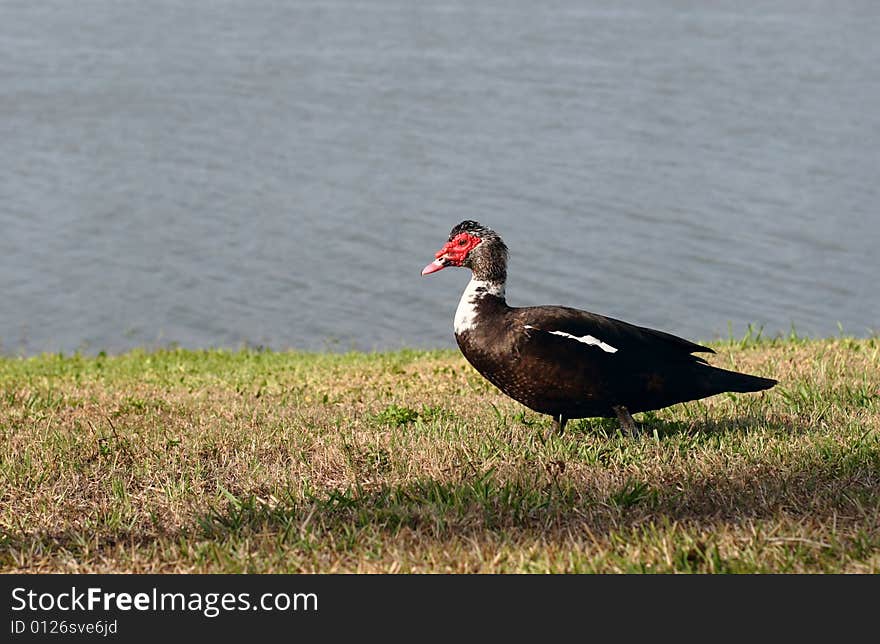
{"x":453,"y":253}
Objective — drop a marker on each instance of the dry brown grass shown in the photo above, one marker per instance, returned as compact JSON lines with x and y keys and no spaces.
{"x":409,"y":462}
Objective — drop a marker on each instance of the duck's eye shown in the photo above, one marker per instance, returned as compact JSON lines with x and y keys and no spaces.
{"x":462,"y":242}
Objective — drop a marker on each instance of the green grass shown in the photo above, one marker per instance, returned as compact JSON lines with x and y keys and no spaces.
{"x":258,"y":461}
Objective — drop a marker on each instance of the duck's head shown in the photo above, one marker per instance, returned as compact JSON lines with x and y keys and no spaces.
{"x":472,"y":246}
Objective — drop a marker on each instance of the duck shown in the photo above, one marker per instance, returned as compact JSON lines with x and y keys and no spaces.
{"x":565,"y":362}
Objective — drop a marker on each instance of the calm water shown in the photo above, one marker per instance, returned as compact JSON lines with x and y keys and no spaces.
{"x":216,"y":173}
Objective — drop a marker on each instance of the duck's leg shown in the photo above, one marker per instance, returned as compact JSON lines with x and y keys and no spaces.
{"x":559,"y":423}
{"x":627,"y":424}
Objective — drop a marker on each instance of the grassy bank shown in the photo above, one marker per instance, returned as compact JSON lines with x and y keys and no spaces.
{"x":216,"y":461}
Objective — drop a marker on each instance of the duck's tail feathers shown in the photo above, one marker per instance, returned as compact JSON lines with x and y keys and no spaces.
{"x":740,"y":382}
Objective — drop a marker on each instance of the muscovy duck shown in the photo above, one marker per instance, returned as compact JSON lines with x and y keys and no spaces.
{"x":565,"y":362}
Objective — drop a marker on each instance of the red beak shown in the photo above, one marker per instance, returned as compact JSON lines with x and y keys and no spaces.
{"x":440,"y":262}
{"x":437,"y":265}
{"x":453,"y":253}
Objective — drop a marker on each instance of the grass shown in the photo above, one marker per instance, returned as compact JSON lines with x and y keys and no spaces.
{"x":256,"y":461}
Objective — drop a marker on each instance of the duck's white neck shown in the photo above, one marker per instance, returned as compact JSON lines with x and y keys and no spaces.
{"x":466,"y":313}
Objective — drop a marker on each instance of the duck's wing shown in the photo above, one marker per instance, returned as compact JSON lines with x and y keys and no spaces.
{"x":603,"y":334}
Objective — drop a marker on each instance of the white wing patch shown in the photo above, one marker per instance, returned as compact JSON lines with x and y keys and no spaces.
{"x":586,"y":339}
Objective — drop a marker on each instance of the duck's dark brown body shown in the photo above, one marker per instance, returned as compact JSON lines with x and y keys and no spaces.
{"x":566,"y":362}
{"x":515,"y":349}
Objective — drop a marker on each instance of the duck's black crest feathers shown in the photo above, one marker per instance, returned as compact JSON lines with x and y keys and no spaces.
{"x":472,"y":228}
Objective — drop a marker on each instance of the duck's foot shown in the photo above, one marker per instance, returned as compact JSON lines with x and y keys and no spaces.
{"x":559,"y":423}
{"x":627,"y":424}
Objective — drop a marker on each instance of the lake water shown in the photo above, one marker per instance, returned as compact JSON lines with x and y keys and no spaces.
{"x":214,"y":173}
